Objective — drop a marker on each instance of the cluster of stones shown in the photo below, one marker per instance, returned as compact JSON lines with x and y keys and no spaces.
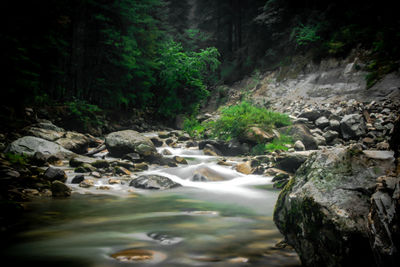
{"x":344,"y":122}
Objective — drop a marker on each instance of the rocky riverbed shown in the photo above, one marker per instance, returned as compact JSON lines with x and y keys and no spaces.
{"x":340,"y":181}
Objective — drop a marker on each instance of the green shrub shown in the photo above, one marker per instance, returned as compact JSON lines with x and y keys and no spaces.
{"x":279,"y":143}
{"x":305,"y":34}
{"x":236,"y":120}
{"x":84,"y":114}
{"x":183,"y":78}
{"x":193,"y":127}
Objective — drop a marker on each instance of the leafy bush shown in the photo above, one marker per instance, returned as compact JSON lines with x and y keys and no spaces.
{"x":193,"y":127}
{"x":236,"y":120}
{"x":183,"y":77}
{"x":305,"y":34}
{"x":277,"y":144}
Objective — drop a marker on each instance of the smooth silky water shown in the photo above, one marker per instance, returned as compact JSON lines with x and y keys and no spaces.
{"x":227,"y":222}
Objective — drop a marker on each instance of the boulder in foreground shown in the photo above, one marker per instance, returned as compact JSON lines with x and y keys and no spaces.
{"x":323,"y":210}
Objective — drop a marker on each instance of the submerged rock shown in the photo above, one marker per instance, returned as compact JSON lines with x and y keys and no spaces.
{"x":154,"y":182}
{"x":139,"y":256}
{"x":244,"y":167}
{"x":323,"y":210}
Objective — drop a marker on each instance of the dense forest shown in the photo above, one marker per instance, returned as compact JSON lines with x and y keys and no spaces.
{"x":166,"y":56}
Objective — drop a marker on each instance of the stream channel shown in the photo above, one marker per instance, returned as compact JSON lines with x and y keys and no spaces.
{"x":227,"y":222}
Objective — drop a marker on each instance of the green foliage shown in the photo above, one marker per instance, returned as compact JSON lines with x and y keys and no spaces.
{"x":84,"y":114}
{"x":278,"y":144}
{"x":193,"y":127}
{"x":305,"y":34}
{"x":236,"y":120}
{"x":182,"y":78}
{"x":17,"y":159}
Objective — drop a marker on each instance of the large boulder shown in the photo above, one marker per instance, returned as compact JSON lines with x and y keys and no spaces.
{"x":129,"y":141}
{"x":29,"y":145}
{"x":352,"y":126}
{"x":75,"y":142}
{"x":302,"y":133}
{"x":323,"y":210}
{"x":154,"y":182}
{"x":47,"y":134}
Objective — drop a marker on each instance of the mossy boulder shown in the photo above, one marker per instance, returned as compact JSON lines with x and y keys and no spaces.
{"x":323,"y":210}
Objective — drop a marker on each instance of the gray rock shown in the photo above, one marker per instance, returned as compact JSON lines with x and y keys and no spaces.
{"x":76,"y":142}
{"x":153,"y":182}
{"x":48,"y":126}
{"x":299,"y":146}
{"x":134,"y":157}
{"x":49,"y":135}
{"x":314,"y":114}
{"x":334,"y":125}
{"x":330,"y":136}
{"x":302,"y":133}
{"x":352,"y":126}
{"x":29,"y":145}
{"x":321,"y":141}
{"x":129,"y":141}
{"x":383,"y":221}
{"x":53,"y":174}
{"x":323,"y":210}
{"x":322,"y":122}
{"x":197,"y":177}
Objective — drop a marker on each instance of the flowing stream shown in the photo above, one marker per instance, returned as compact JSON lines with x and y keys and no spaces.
{"x":224,"y":222}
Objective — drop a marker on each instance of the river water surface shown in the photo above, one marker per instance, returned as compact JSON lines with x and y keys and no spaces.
{"x":226,"y":222}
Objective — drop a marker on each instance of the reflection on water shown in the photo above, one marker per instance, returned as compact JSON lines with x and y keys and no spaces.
{"x":224,"y":223}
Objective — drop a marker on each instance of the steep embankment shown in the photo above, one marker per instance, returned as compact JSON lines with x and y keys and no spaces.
{"x":329,"y":82}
